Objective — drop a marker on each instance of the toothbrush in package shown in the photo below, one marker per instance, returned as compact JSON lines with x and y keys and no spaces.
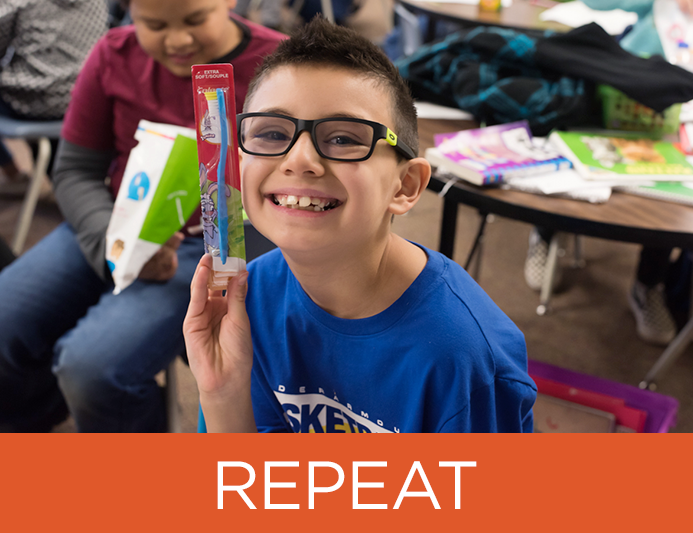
{"x":220,"y":184}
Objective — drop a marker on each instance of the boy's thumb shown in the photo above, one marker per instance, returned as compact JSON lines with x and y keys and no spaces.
{"x":238,"y":289}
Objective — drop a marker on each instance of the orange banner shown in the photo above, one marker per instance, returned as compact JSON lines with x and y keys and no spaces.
{"x":345,"y":482}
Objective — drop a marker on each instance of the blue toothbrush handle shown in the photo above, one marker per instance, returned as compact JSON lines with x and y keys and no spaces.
{"x":221,"y":180}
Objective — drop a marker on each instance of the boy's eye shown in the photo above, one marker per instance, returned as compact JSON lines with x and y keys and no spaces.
{"x":272,"y":136}
{"x":196,"y":21}
{"x":350,"y":137}
{"x":155,"y":26}
{"x":343,"y":134}
{"x":343,"y":140}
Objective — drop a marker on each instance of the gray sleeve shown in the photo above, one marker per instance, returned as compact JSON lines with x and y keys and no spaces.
{"x":8,"y":14}
{"x":84,"y":198}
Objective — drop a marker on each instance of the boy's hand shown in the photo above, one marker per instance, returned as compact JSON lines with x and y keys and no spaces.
{"x":163,"y":265}
{"x":220,"y":350}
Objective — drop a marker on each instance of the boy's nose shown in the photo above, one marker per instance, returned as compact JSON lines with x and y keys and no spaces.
{"x":177,"y":39}
{"x":303,"y":157}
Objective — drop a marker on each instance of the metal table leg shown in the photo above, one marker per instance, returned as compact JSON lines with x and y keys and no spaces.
{"x":448,"y":228}
{"x":549,"y":275}
{"x":477,"y":247}
{"x":672,"y":352}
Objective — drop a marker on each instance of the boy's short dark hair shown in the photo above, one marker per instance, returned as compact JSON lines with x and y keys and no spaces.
{"x":321,"y":43}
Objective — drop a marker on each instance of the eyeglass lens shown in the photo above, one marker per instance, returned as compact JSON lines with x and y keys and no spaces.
{"x":334,"y":138}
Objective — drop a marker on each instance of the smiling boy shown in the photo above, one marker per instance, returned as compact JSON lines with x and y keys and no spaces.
{"x":202,"y":31}
{"x":347,"y":327}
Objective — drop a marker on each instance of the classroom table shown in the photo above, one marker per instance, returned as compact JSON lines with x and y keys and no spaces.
{"x":624,"y":217}
{"x":521,"y":14}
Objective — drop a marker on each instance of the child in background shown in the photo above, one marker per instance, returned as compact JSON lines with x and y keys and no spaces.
{"x":346,"y":327}
{"x":64,"y":337}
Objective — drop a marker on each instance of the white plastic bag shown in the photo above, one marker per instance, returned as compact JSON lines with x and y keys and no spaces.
{"x":159,"y":192}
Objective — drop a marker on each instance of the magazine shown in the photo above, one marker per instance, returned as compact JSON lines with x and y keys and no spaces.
{"x":623,"y":157}
{"x":490,"y":155}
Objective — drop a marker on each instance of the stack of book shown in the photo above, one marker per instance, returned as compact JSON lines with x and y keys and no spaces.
{"x":494,"y":155}
{"x":579,"y":165}
{"x":631,"y":163}
{"x":508,"y":156}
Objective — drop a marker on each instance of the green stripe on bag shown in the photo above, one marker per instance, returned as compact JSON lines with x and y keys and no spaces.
{"x":177,"y":195}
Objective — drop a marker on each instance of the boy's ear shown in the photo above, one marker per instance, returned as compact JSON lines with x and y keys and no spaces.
{"x":413,"y":180}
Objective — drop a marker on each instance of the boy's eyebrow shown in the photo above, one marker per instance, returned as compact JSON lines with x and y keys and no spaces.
{"x":199,"y":12}
{"x":280,"y":111}
{"x":193,"y":15}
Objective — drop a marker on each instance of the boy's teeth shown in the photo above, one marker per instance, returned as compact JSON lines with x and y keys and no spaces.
{"x":302,"y":202}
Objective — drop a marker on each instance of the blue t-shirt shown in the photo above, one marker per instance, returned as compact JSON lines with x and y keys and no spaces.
{"x":442,"y":358}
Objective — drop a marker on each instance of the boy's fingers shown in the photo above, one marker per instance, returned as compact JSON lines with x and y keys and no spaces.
{"x":198,"y":287}
{"x":206,"y":260}
{"x":175,"y":240}
{"x":238,"y":288}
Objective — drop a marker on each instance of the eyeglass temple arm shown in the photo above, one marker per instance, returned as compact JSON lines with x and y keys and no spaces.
{"x":394,"y":141}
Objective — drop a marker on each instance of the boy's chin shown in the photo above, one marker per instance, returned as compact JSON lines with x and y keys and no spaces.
{"x":182,"y":71}
{"x":293,"y":245}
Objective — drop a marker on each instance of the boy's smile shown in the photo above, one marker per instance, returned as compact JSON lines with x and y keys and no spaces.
{"x":305,"y":202}
{"x":302,"y":201}
{"x":181,"y":33}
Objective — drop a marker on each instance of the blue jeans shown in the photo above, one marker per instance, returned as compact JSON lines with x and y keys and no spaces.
{"x":64,"y":335}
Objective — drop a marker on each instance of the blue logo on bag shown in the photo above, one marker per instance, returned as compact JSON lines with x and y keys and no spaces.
{"x":139,"y":186}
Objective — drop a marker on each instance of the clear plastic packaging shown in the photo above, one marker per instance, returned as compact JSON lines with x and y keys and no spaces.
{"x":220,"y":184}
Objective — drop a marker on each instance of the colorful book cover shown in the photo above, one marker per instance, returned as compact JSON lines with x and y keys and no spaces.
{"x":627,"y":157}
{"x":490,"y":155}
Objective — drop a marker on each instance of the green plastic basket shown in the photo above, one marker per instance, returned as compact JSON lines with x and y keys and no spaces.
{"x":623,"y":113}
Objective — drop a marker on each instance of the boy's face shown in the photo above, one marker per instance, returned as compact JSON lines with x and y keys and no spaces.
{"x":362,"y":191}
{"x":182,"y":33}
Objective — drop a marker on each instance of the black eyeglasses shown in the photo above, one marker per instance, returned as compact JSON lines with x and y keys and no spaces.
{"x":338,"y":139}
